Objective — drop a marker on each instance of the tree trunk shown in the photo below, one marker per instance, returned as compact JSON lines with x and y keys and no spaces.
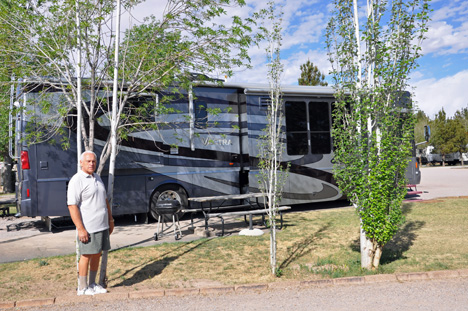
{"x":377,"y":255}
{"x":366,"y":251}
{"x":273,"y":245}
{"x":370,"y":252}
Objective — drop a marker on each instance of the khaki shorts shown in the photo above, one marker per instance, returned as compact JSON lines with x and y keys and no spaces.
{"x":98,"y":241}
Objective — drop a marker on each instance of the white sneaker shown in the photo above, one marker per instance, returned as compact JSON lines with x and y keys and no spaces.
{"x":97,"y":289}
{"x":85,"y":291}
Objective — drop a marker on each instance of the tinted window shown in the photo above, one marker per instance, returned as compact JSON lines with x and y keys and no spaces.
{"x":307,"y":121}
{"x":297,"y":141}
{"x":320,"y":143}
{"x":296,"y":117}
{"x":319,"y":117}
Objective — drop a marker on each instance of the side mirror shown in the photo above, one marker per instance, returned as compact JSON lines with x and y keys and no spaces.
{"x":427,"y":132}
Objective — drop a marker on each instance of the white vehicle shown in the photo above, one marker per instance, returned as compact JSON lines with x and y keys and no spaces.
{"x":436,"y":158}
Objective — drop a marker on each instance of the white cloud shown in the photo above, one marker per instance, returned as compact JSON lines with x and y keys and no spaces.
{"x":443,"y":38}
{"x":291,"y":64}
{"x":450,"y":10}
{"x":449,"y":92}
{"x":309,"y":30}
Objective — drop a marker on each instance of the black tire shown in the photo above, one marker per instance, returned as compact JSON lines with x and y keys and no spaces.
{"x":168,"y":192}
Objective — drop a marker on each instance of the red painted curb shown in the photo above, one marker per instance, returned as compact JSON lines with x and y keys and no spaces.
{"x":417,"y":276}
{"x":217,"y":290}
{"x":378,"y":278}
{"x":447,"y":274}
{"x":35,"y":302}
{"x":251,"y":287}
{"x":146,"y":294}
{"x":182,"y":291}
{"x":349,"y":280}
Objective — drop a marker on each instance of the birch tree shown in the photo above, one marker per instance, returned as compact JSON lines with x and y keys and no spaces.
{"x":192,"y":36}
{"x":12,"y":65}
{"x":373,"y":124}
{"x":272,"y":175}
{"x":61,"y":42}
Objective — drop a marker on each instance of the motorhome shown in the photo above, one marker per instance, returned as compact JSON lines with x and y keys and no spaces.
{"x":193,"y":153}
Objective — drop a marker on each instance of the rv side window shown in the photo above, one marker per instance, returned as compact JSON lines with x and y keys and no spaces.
{"x":304,"y":122}
{"x":143,"y":107}
{"x":319,"y":118}
{"x":296,"y":128}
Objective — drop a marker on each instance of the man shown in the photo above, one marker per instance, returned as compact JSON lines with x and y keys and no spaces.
{"x":91,"y":214}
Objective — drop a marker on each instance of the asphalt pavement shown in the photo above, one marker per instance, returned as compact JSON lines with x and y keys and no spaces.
{"x":446,"y":294}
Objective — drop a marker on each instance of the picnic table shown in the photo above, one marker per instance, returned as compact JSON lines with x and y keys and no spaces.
{"x":214,"y":206}
{"x":5,"y":206}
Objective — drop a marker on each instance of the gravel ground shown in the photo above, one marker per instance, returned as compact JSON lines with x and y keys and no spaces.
{"x":449,"y":294}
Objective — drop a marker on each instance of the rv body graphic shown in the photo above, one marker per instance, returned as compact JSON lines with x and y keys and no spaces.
{"x":203,"y":155}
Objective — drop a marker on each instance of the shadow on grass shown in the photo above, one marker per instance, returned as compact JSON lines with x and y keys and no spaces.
{"x":303,"y":247}
{"x":149,"y":269}
{"x":401,"y":242}
{"x":407,"y":208}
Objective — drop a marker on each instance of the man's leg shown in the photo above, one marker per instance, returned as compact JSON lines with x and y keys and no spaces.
{"x":93,"y":267}
{"x":83,"y":274}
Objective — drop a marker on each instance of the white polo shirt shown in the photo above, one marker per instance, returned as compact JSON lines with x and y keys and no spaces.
{"x":89,"y":194}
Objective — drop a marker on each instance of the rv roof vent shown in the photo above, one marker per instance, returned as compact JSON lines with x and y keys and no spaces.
{"x":265,"y":102}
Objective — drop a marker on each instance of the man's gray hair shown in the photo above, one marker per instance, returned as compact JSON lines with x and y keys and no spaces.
{"x":88,"y":151}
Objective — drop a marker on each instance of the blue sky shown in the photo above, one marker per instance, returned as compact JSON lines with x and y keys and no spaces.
{"x":441,"y":80}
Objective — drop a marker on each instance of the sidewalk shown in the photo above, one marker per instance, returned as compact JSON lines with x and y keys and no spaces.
{"x":27,"y":238}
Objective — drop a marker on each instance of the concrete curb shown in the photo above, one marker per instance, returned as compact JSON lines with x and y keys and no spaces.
{"x":222,"y":290}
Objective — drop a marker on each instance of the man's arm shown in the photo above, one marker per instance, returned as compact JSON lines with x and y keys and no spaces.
{"x":75,"y":214}
{"x":111,"y":219}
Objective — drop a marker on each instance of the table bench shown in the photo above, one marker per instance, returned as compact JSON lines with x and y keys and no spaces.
{"x":5,"y":210}
{"x":5,"y":207}
{"x":217,"y":208}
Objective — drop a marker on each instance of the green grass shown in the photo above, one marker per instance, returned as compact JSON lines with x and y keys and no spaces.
{"x":312,"y":245}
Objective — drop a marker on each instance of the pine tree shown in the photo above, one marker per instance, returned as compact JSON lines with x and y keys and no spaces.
{"x":311,"y":75}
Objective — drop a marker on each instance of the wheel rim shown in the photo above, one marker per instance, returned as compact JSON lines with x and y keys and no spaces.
{"x":169,"y":195}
